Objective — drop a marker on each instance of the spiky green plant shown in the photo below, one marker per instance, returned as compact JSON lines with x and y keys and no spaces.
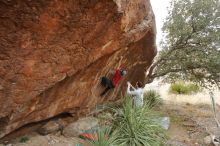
{"x":152,"y":98}
{"x":134,"y":126}
{"x":103,"y":137}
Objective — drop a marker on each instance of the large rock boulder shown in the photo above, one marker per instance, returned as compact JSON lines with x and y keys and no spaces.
{"x":53,"y":53}
{"x":80,"y":126}
{"x":52,"y":127}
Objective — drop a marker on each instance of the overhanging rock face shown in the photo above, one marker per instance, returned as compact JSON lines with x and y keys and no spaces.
{"x":53,"y":53}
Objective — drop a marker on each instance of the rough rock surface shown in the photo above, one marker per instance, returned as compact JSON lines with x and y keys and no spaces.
{"x":50,"y":127}
{"x":53,"y":53}
{"x":80,"y":126}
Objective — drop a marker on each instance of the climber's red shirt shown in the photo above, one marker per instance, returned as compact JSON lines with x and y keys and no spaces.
{"x":116,"y":78}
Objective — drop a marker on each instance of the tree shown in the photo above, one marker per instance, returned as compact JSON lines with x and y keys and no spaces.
{"x":191,"y":46}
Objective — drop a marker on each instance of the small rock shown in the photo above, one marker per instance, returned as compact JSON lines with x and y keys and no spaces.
{"x":208,"y":140}
{"x":215,"y":141}
{"x":78,"y":127}
{"x":164,"y":122}
{"x":211,"y":139}
{"x":62,"y":123}
{"x":50,"y":127}
{"x":58,"y":133}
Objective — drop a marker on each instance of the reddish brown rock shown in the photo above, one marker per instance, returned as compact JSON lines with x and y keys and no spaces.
{"x":53,"y":53}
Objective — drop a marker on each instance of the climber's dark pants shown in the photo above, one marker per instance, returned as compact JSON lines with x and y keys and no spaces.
{"x":106,"y":83}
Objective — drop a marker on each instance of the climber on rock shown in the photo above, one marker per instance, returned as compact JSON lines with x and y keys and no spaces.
{"x":111,"y":84}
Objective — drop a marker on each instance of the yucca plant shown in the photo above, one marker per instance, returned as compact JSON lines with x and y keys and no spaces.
{"x":134,"y":126}
{"x":152,"y":98}
{"x":103,"y":137}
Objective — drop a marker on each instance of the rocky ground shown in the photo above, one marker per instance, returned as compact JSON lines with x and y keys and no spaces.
{"x":190,"y":124}
{"x":49,"y":140}
{"x":46,"y":134}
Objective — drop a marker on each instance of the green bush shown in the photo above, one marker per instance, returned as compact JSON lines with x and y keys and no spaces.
{"x":152,"y":98}
{"x":23,"y":139}
{"x":193,"y":88}
{"x":181,"y":88}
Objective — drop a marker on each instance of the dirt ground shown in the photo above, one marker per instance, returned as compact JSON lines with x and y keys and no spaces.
{"x":190,"y":124}
{"x":48,"y":140}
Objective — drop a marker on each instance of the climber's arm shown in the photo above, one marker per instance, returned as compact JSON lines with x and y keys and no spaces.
{"x":133,"y":87}
{"x":129,"y":91}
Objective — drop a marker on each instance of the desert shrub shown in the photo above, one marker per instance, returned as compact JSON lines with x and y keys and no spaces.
{"x":133,"y":126}
{"x":23,"y":139}
{"x":178,"y":88}
{"x":181,"y":88}
{"x":193,"y":88}
{"x":152,"y":98}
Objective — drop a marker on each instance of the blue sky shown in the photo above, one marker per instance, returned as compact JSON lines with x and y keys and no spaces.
{"x":160,"y":11}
